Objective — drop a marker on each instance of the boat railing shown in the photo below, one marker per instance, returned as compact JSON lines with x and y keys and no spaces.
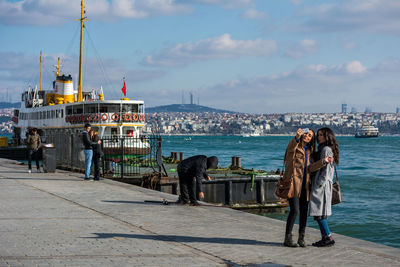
{"x":106,"y":117}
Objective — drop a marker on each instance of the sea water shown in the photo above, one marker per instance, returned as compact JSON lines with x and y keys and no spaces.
{"x":369,"y":174}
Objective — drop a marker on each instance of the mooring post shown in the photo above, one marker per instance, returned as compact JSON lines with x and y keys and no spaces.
{"x":181,"y":156}
{"x":260,"y":191}
{"x":228,"y":192}
{"x":233,"y":162}
{"x":238,"y":162}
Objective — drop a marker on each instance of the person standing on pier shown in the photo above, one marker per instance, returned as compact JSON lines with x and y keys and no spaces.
{"x":88,"y":149}
{"x":33,"y":143}
{"x":321,"y":193}
{"x":97,"y":154}
{"x":297,"y":158}
{"x":191,"y":171}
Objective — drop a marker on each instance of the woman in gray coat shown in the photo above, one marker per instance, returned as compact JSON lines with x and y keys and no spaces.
{"x":321,"y":193}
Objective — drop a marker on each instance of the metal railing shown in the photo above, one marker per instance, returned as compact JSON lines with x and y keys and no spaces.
{"x":123,"y":156}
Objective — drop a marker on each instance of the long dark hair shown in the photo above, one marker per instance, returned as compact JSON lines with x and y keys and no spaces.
{"x":311,"y":144}
{"x":330,"y":140}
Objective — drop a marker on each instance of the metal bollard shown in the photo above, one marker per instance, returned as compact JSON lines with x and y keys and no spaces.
{"x":181,"y":156}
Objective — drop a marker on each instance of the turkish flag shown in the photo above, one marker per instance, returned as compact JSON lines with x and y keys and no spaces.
{"x":124,"y":89}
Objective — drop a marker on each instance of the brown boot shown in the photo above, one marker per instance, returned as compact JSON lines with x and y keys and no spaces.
{"x":289,"y":241}
{"x":301,"y":241}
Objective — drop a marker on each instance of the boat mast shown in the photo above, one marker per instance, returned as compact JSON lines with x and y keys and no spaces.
{"x":41,"y":63}
{"x":82,"y":19}
{"x":58,"y":68}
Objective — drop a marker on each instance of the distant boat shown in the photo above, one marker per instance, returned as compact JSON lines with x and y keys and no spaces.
{"x":367,"y":131}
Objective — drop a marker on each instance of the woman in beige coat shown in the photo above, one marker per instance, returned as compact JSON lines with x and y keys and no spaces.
{"x":298,"y":165}
{"x":297,"y":158}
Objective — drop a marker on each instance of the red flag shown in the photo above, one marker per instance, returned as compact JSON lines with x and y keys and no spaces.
{"x":124,"y":89}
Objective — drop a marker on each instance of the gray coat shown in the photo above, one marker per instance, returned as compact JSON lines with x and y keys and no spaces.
{"x":321,"y":192}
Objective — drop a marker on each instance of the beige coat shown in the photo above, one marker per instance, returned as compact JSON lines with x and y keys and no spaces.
{"x":294,"y":166}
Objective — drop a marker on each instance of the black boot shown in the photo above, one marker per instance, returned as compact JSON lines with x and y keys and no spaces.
{"x":289,"y":241}
{"x":301,"y":241}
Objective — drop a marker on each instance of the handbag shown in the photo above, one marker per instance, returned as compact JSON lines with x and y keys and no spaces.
{"x":336,"y":192}
{"x":284,"y":187}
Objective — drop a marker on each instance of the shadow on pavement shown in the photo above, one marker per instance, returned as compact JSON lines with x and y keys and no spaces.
{"x":187,"y":239}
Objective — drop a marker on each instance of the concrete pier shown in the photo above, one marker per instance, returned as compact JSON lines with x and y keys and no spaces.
{"x":57,"y":219}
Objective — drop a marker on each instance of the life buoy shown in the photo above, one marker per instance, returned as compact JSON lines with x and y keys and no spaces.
{"x":96,"y":117}
{"x":104,"y":116}
{"x":135,"y":117}
{"x":114,"y":117}
{"x":141,"y":117}
{"x":86,"y":118}
{"x":127,"y":117}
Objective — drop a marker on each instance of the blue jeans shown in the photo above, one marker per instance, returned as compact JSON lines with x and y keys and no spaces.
{"x":88,"y":162}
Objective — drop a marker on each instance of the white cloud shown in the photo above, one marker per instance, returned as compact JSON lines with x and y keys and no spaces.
{"x":361,"y":15}
{"x":219,"y":47}
{"x":223,"y":3}
{"x":304,"y":47}
{"x":311,"y":88}
{"x":355,"y":67}
{"x":253,"y":13}
{"x":17,"y":68}
{"x":47,"y":12}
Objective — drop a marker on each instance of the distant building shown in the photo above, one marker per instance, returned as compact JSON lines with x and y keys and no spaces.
{"x":398,"y":110}
{"x":353,"y":110}
{"x":368,"y":110}
{"x":344,"y":108}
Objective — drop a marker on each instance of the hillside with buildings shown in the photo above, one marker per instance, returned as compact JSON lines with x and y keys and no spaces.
{"x":196,"y":119}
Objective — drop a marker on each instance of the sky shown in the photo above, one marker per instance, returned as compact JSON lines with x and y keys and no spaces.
{"x":252,"y":56}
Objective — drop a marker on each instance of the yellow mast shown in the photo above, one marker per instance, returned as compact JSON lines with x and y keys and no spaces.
{"x":41,"y":63}
{"x":58,"y":68}
{"x":82,"y":19}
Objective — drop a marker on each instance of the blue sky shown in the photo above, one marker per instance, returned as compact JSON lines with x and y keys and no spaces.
{"x":255,"y":56}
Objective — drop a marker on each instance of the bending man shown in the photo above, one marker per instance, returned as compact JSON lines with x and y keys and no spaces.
{"x":191,"y":171}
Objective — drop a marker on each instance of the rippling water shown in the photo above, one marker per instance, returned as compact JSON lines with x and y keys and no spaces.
{"x":369,"y":174}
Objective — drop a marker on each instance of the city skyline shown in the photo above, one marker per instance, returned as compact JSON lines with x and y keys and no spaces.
{"x":247,"y":56}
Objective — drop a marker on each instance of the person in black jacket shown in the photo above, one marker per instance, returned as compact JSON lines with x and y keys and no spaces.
{"x":191,"y":169}
{"x":97,"y":154}
{"x":88,"y":149}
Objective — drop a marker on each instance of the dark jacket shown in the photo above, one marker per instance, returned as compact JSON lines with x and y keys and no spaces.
{"x":87,"y":143}
{"x":97,"y":147}
{"x":33,"y":141}
{"x":196,"y":166}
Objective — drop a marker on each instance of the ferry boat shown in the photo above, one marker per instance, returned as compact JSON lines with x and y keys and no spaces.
{"x":62,"y":109}
{"x":367,"y":131}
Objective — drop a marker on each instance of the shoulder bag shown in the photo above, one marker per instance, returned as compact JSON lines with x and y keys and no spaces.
{"x":336,"y":192}
{"x":284,"y":187}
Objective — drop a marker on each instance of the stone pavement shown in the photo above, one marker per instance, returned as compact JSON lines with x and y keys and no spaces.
{"x":60,"y":220}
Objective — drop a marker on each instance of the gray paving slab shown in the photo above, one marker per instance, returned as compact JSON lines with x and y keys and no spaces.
{"x":57,"y":219}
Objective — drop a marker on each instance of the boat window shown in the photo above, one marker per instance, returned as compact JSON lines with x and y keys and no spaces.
{"x":103,"y":109}
{"x":90,"y":108}
{"x":62,"y":113}
{"x":141,"y":108}
{"x":48,"y":114}
{"x":69,"y":110}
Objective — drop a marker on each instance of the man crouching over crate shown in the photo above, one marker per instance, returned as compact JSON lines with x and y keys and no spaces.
{"x":191,"y":171}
